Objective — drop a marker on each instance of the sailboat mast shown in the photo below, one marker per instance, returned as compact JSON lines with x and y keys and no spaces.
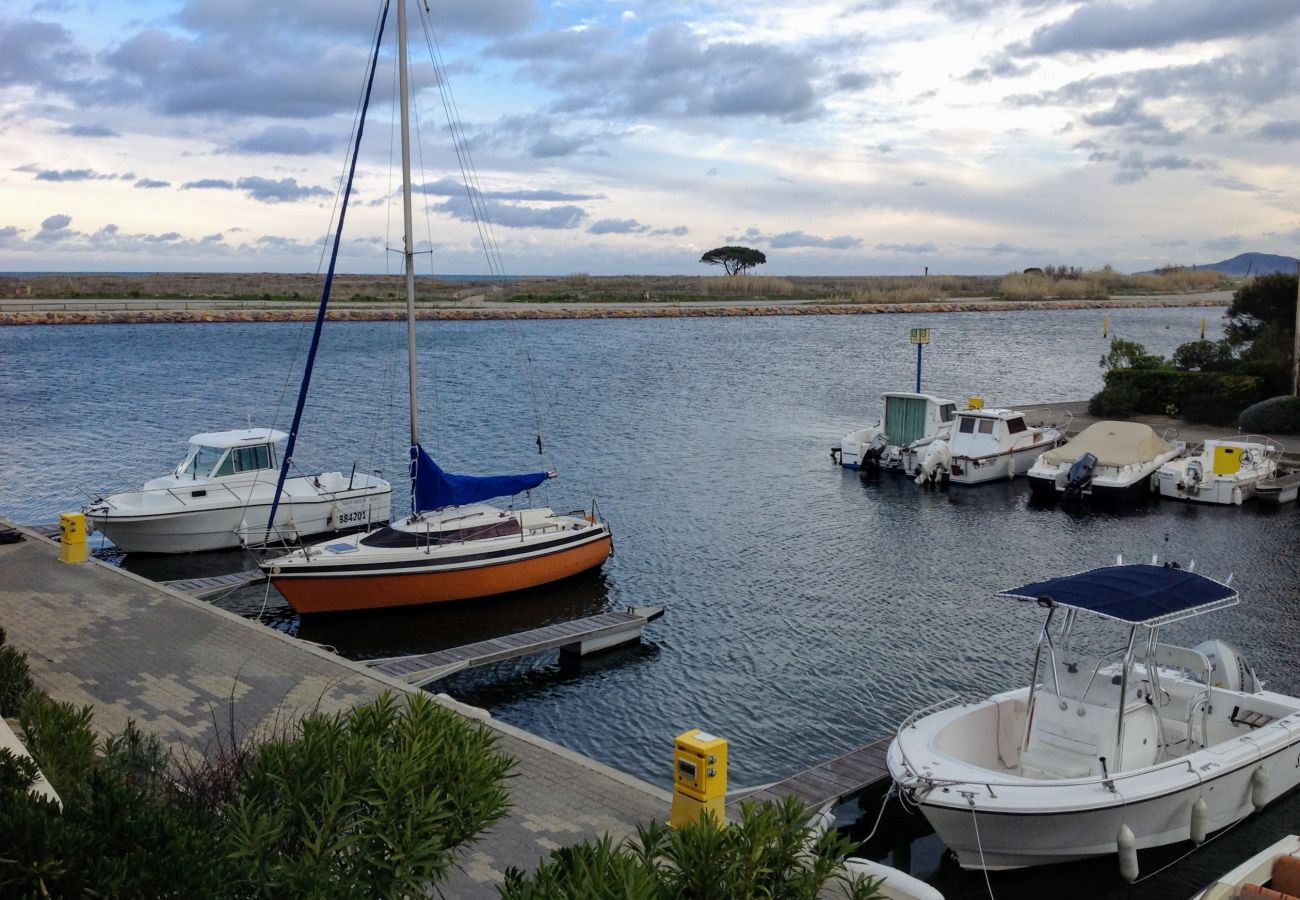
{"x":408,"y":249}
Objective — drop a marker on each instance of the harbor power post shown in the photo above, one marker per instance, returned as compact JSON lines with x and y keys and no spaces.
{"x":72,"y":537}
{"x":699,"y":778}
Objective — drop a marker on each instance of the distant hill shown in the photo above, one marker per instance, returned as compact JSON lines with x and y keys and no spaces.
{"x":1253,"y":264}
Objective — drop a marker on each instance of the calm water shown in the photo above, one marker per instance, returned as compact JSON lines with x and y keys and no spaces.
{"x":808,"y":610}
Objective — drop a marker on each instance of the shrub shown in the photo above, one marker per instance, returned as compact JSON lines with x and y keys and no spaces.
{"x":1113,"y":402}
{"x":771,"y":852}
{"x":1200,"y":396}
{"x":1276,"y":415}
{"x":15,"y":679}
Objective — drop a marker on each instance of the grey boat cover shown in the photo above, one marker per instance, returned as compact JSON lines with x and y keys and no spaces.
{"x":1113,"y":443}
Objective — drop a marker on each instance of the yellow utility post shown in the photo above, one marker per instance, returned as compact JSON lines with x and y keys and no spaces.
{"x":974,"y":402}
{"x":72,"y":537}
{"x":699,"y":778}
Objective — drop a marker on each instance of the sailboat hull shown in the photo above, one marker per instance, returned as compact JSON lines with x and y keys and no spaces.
{"x":341,"y":590}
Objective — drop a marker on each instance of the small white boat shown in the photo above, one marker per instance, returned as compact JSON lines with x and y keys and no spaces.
{"x":1275,"y":868}
{"x":1107,"y":751}
{"x":987,"y":445}
{"x":907,"y":425}
{"x":1113,"y":461}
{"x":1224,"y":471}
{"x":1282,"y":488}
{"x":894,"y":884}
{"x":220,"y":496}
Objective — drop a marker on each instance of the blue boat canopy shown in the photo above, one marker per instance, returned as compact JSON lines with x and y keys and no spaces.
{"x":435,"y":489}
{"x":1136,"y":594}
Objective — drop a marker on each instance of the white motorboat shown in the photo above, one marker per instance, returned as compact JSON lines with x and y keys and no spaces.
{"x":987,"y":445}
{"x":1107,"y":751}
{"x":1225,"y":471}
{"x":907,"y":425}
{"x":220,"y":497}
{"x":1113,"y":461}
{"x":453,"y":546}
{"x":1275,"y":869}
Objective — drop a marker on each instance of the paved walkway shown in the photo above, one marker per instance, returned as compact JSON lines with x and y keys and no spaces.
{"x":96,"y":634}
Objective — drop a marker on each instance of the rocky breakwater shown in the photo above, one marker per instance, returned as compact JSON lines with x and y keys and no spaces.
{"x":610,"y":311}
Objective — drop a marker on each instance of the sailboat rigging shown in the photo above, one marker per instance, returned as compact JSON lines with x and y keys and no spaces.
{"x":453,"y":545}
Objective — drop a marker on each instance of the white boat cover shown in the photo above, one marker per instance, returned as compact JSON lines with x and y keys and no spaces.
{"x":1113,"y":443}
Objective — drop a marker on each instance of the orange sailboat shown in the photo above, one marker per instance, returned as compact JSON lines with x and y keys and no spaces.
{"x":453,"y":545}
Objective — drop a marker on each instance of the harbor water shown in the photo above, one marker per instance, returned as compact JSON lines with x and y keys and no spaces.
{"x":809,"y":609}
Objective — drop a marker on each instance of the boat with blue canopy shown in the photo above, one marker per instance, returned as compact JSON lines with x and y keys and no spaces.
{"x":454,"y":545}
{"x":1120,"y":742}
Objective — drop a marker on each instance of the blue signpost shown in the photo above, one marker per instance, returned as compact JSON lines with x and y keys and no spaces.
{"x":920,"y":337}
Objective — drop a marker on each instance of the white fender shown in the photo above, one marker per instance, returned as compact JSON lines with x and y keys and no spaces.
{"x":1259,"y":788}
{"x":937,"y":459}
{"x":1126,"y":844}
{"x":1200,"y":813}
{"x":897,"y":885}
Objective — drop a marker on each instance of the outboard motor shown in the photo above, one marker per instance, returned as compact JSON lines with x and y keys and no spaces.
{"x":936,"y":463}
{"x":1080,"y":476}
{"x":1229,"y":668}
{"x":871,"y":455}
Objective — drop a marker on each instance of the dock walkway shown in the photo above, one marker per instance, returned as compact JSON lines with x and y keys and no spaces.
{"x":830,"y":782}
{"x":591,"y":634}
{"x":136,"y":650}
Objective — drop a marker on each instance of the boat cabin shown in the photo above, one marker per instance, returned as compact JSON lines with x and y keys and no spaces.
{"x":1097,"y":704}
{"x":220,"y":454}
{"x":983,"y":432}
{"x":907,"y":418}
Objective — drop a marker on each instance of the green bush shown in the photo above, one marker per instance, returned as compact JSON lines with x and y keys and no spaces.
{"x":15,"y":680}
{"x":771,"y":852}
{"x":1276,"y":415}
{"x":1113,"y":402}
{"x":1215,"y":397}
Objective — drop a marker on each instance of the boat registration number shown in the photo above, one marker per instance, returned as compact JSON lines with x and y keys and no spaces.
{"x":346,"y":518}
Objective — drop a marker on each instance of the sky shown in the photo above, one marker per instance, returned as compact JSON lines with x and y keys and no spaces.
{"x":863,"y":137}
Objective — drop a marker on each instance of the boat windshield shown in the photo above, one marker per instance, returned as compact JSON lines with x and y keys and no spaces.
{"x":201,"y":462}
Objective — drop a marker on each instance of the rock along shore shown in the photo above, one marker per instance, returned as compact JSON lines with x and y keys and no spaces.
{"x":557,"y":311}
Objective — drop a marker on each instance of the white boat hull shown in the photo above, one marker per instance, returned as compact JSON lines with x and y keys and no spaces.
{"x":999,"y":467}
{"x":174,"y":521}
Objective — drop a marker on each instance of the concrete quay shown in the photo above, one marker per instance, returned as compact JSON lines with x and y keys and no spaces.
{"x":136,"y":650}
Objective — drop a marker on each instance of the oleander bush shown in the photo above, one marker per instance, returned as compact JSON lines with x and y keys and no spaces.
{"x":1276,"y":415}
{"x":15,"y":679}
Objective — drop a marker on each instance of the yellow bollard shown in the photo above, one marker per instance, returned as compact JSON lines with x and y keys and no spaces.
{"x":1105,"y":326}
{"x":72,"y":537}
{"x":699,"y":778}
{"x":1202,"y":327}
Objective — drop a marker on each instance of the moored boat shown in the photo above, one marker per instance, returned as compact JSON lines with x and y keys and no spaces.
{"x":908,"y":424}
{"x":1224,"y":471}
{"x":1272,"y":872}
{"x":1113,"y":461}
{"x":220,"y":496}
{"x":1106,"y":751}
{"x":987,"y":445}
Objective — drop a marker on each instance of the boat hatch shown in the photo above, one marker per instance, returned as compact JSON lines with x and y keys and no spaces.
{"x":1136,"y":594}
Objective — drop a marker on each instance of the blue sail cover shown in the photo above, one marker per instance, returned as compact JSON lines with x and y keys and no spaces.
{"x":435,"y":489}
{"x":1136,"y":594}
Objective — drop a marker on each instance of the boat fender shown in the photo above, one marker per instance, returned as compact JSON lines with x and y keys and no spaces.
{"x":1126,"y":844}
{"x":1259,"y":788}
{"x":1200,"y":813}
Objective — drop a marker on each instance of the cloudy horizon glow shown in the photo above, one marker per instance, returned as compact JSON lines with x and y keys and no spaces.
{"x":862,"y":137}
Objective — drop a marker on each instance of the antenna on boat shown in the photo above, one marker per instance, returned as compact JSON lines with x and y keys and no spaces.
{"x":1119,"y":559}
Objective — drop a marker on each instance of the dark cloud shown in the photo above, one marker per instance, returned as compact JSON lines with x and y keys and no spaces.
{"x":1133,"y":166}
{"x":152,"y":183}
{"x":1001,"y":67}
{"x":55,"y":228}
{"x":347,"y":17}
{"x":984,"y":9}
{"x":927,"y":247}
{"x":204,"y":184}
{"x":535,"y":136}
{"x":68,"y":174}
{"x":1135,"y":123}
{"x":790,"y":239}
{"x":617,"y":226}
{"x":671,"y":71}
{"x":286,"y":190}
{"x":9,"y":235}
{"x":285,"y":139}
{"x":861,"y":81}
{"x":514,"y":215}
{"x":450,"y":187}
{"x":1107,"y":26}
{"x":89,"y":131}
{"x":1280,"y":130}
{"x":675,"y":231}
{"x":37,"y":53}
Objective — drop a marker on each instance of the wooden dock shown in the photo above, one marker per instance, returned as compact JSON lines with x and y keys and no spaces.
{"x":216,"y":584}
{"x":581,"y":636}
{"x":854,"y":772}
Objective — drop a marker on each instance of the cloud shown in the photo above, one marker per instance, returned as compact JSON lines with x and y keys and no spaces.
{"x":347,"y":17}
{"x":55,"y":228}
{"x":1005,"y":248}
{"x":290,"y":140}
{"x":206,"y":184}
{"x":927,"y":247}
{"x":8,"y":235}
{"x":792,"y":239}
{"x":450,"y":187}
{"x":89,"y":131}
{"x":861,"y":81}
{"x":286,"y":190}
{"x":675,"y":231}
{"x":1280,"y":130}
{"x":1134,"y":122}
{"x":37,"y":53}
{"x":152,"y":183}
{"x":513,"y":215}
{"x":68,"y":174}
{"x":1227,"y":243}
{"x":1000,"y":67}
{"x":617,"y":226}
{"x":1107,"y":26}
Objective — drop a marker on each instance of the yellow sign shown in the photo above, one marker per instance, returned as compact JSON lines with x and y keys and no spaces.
{"x":920,"y":335}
